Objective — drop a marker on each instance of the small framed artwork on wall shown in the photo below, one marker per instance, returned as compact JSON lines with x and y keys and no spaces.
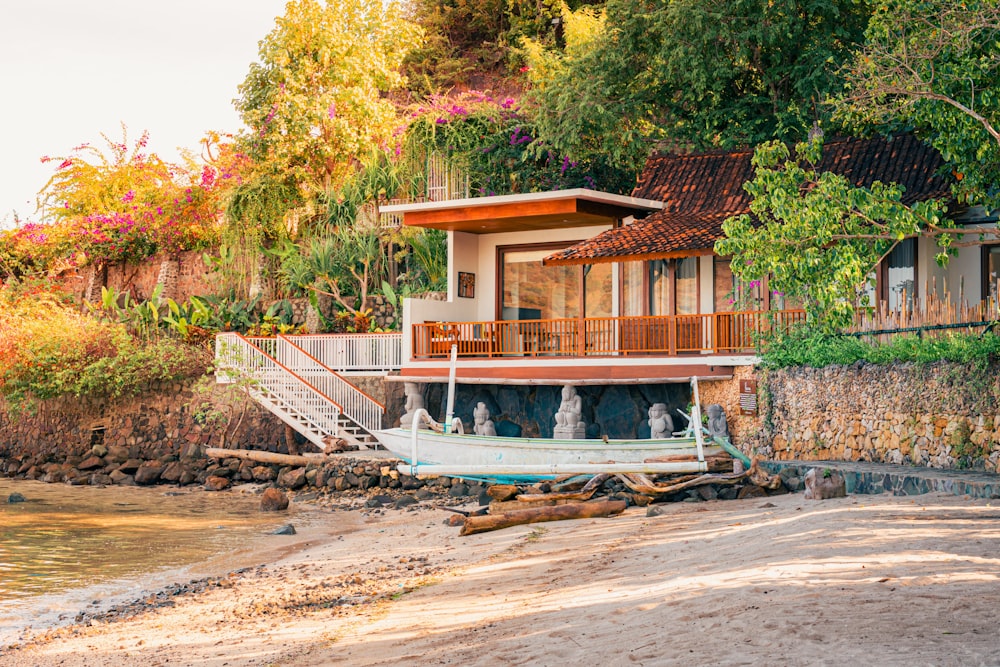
{"x":466,"y":285}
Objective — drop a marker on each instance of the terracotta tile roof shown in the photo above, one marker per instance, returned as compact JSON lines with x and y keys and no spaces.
{"x":701,"y":190}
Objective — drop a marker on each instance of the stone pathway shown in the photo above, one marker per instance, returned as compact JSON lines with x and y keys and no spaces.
{"x":899,"y":480}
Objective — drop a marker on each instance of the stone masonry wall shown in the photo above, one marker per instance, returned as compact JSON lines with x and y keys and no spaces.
{"x":187,"y":276}
{"x":941,"y":415}
{"x":727,"y":394}
{"x":160,"y":423}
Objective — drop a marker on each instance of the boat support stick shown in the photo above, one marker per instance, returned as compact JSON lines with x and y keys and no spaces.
{"x":696,"y":419}
{"x":452,"y":370}
{"x":414,"y":431}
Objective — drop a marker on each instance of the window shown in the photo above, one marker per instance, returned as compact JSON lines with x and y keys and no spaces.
{"x":900,"y":275}
{"x":531,"y":291}
{"x":659,"y":287}
{"x":633,"y":289}
{"x":686,"y":286}
{"x":598,"y":290}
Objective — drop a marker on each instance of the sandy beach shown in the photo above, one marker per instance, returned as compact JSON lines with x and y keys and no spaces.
{"x":780,"y":580}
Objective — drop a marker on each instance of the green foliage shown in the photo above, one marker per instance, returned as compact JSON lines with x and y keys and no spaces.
{"x":496,"y":144}
{"x":476,"y":38}
{"x":810,"y":347}
{"x":933,"y":65}
{"x":48,"y":349}
{"x":728,"y":73}
{"x":256,"y":210}
{"x":429,"y":254}
{"x":819,"y":238}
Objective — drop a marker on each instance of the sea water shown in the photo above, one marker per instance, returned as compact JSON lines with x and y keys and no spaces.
{"x":73,"y":548}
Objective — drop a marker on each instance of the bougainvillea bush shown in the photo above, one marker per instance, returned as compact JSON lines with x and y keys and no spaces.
{"x":123,"y":204}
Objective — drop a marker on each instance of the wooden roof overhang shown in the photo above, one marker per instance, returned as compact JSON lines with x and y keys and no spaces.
{"x":525,"y":212}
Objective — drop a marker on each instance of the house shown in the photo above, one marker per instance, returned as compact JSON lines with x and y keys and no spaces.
{"x":620,"y":297}
{"x":592,"y":289}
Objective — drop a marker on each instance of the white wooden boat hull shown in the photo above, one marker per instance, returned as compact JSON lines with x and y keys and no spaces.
{"x":483,"y":457}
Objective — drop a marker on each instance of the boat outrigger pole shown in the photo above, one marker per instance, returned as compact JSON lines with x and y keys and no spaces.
{"x":452,"y":371}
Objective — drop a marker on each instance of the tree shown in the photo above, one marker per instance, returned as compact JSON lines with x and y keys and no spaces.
{"x":819,"y":238}
{"x":935,"y":65}
{"x":315,"y":100}
{"x":719,"y":73}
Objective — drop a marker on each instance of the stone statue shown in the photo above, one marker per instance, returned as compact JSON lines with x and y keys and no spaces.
{"x":483,"y":424}
{"x":414,"y":402}
{"x":660,"y":423}
{"x":717,"y":426}
{"x":569,"y":425}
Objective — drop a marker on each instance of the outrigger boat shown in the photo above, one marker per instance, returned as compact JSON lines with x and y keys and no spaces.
{"x":445,"y":450}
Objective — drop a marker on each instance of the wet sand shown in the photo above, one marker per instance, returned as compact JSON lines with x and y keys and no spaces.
{"x":865,"y":579}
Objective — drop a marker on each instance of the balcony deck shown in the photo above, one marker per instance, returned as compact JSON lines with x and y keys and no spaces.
{"x":608,"y":350}
{"x":665,"y":335}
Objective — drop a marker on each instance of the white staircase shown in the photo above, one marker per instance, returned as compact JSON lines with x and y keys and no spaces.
{"x":299,"y":389}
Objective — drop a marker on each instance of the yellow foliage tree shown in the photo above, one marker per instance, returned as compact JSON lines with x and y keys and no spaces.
{"x":315,"y":101}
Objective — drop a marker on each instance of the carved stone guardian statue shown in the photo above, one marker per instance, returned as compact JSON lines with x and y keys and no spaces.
{"x":483,"y":424}
{"x":660,"y":423}
{"x":414,"y":402}
{"x":717,"y":425}
{"x":569,"y":425}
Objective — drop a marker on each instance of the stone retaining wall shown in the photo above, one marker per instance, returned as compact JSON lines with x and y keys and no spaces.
{"x":941,"y":415}
{"x":169,"y":421}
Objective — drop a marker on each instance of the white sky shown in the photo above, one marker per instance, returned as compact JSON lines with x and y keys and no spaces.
{"x":73,"y":69}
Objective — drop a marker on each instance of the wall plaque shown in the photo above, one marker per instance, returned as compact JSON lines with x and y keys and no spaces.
{"x":748,"y":397}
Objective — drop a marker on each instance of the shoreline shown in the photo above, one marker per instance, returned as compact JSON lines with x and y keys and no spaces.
{"x":729,"y":582}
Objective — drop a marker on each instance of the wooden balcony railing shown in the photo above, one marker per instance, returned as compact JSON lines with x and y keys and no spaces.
{"x":718,"y":333}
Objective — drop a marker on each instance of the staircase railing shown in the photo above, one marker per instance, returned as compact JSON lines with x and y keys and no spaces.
{"x":304,"y":404}
{"x":355,"y":404}
{"x":354,"y":352}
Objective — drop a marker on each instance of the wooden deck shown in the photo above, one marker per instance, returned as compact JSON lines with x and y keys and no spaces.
{"x":666,"y":335}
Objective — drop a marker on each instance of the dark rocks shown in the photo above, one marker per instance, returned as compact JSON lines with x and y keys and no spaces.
{"x":273,"y":500}
{"x":379,"y":501}
{"x":458,"y":490}
{"x":90,"y":463}
{"x":508,"y":429}
{"x":148,"y":473}
{"x":405,"y":501}
{"x":822,"y":484}
{"x":264,"y":474}
{"x":16,"y":498}
{"x":214,"y":483}
{"x":287,"y":529}
{"x":293,"y":479}
{"x":130,"y":466}
{"x":751,"y":491}
{"x":118,"y":477}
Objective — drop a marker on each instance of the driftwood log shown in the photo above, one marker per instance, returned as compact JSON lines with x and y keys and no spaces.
{"x":264,"y":457}
{"x":585,"y":493}
{"x":717,"y":463}
{"x":642,"y":484}
{"x":482,"y":524}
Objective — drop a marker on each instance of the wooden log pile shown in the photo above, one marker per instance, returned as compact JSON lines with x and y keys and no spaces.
{"x":585,"y":496}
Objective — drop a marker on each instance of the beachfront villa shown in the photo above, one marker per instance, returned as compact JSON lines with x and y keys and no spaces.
{"x":623,"y":298}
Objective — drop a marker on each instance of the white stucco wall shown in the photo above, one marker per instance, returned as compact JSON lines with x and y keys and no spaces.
{"x":961,"y":276}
